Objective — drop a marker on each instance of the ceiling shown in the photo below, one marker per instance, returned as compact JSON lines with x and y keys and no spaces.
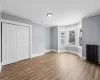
{"x":65,"y":12}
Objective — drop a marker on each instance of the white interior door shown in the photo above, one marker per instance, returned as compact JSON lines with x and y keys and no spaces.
{"x":15,"y":43}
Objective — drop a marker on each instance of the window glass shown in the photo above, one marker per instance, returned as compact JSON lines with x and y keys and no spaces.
{"x":72,"y":37}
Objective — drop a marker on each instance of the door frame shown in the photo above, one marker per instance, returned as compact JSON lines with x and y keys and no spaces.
{"x":20,"y":24}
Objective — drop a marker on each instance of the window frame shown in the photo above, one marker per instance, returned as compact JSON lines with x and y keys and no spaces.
{"x":75,"y":36}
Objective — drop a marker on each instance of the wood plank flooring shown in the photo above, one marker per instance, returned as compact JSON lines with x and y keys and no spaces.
{"x":51,"y":66}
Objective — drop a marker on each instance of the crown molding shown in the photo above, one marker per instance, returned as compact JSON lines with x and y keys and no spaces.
{"x":24,"y":18}
{"x":92,"y":14}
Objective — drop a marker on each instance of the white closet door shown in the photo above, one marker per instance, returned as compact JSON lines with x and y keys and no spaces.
{"x":15,"y":43}
{"x":5,"y":59}
{"x":7,"y":42}
{"x":13,"y":37}
{"x":23,"y":42}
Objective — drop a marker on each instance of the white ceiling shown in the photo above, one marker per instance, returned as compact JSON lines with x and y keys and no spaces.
{"x":65,"y":12}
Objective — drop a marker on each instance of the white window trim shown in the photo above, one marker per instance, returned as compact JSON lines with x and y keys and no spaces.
{"x":62,"y":38}
{"x":75,"y":36}
{"x":80,"y":26}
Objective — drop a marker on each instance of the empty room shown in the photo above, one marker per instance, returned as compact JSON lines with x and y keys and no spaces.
{"x":49,"y":39}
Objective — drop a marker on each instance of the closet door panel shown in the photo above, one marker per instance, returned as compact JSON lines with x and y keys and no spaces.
{"x":14,"y":43}
{"x":6,"y":53}
{"x":19,"y":43}
{"x":3,"y":43}
{"x":9,"y":43}
{"x":23,"y":42}
{"x":26,"y":42}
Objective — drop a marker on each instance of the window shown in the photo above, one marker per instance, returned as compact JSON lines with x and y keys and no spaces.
{"x":72,"y":37}
{"x":62,"y":41}
{"x":62,"y":33}
{"x":80,"y":36}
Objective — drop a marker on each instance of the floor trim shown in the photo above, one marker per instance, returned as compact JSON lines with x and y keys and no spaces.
{"x":46,"y":51}
{"x":54,"y":50}
{"x":37,"y":54}
{"x":74,"y":52}
{"x":40,"y":54}
{"x":83,"y":57}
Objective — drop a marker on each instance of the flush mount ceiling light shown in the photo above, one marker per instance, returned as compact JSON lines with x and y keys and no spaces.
{"x":49,"y":14}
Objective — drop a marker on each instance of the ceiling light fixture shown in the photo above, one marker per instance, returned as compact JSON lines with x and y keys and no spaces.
{"x":49,"y":14}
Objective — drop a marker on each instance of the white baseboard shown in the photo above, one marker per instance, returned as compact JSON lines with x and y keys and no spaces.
{"x":77,"y":53}
{"x":46,"y":51}
{"x":60,"y":51}
{"x":42,"y":53}
{"x":83,"y":57}
{"x":54,"y":50}
{"x":37,"y":54}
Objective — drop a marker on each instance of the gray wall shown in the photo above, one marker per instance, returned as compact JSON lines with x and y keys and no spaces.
{"x":54,"y":38}
{"x":91,"y":32}
{"x":41,"y":38}
{"x":40,"y":34}
{"x":47,"y":38}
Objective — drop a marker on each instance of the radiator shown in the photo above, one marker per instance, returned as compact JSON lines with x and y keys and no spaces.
{"x":92,"y":53}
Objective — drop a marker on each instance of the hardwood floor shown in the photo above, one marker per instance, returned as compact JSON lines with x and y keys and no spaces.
{"x":51,"y":66}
